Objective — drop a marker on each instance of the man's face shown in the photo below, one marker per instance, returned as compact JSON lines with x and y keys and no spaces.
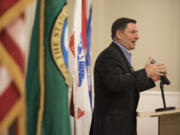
{"x":129,"y":36}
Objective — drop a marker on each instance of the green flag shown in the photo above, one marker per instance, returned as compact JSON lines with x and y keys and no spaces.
{"x":46,"y":81}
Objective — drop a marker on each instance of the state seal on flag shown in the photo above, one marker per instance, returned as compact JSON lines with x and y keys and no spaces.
{"x":59,"y":42}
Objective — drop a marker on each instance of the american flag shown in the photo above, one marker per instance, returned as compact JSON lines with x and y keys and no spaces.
{"x":12,"y":65}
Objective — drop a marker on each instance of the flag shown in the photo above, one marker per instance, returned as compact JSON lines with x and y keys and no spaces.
{"x":47,"y":74}
{"x":82,"y":106}
{"x":88,"y":52}
{"x":12,"y":66}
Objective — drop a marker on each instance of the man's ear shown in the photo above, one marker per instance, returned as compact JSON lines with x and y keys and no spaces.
{"x":118,"y":34}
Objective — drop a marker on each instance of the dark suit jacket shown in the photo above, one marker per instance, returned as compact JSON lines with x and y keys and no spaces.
{"x":117,"y":89}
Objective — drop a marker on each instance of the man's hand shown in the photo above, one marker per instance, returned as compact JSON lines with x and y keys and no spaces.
{"x":154,"y":71}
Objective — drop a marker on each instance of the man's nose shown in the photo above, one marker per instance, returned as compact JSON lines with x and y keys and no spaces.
{"x":137,"y":36}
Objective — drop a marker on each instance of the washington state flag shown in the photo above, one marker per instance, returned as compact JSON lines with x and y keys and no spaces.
{"x":47,"y":74}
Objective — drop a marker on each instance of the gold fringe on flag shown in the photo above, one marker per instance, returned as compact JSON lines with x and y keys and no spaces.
{"x":14,"y":12}
{"x":41,"y":66}
{"x":18,"y":110}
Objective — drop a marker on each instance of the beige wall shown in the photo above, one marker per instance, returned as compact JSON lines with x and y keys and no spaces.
{"x":158,"y":22}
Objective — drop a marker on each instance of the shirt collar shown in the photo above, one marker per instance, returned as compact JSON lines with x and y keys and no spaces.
{"x":125,"y":51}
{"x":123,"y":48}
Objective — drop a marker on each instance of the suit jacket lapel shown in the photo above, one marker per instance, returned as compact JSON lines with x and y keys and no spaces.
{"x":124,"y":57}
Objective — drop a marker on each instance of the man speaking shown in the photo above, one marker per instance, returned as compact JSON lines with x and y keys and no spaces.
{"x":117,"y":85}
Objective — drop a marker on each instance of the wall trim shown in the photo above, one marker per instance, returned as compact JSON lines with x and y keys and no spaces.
{"x":158,"y":92}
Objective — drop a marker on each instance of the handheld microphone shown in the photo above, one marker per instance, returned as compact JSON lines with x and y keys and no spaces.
{"x":164,"y":79}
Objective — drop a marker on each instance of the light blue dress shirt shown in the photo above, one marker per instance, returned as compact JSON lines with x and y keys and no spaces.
{"x":125,"y":51}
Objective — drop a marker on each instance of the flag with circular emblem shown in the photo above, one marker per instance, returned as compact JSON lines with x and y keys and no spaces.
{"x":47,"y":74}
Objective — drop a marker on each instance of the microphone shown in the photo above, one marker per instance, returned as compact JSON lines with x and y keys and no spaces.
{"x":164,"y":79}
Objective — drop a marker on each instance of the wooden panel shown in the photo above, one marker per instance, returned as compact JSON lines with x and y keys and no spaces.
{"x":169,"y":124}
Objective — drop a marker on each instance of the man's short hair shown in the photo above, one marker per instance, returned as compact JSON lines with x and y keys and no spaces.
{"x":120,"y":24}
